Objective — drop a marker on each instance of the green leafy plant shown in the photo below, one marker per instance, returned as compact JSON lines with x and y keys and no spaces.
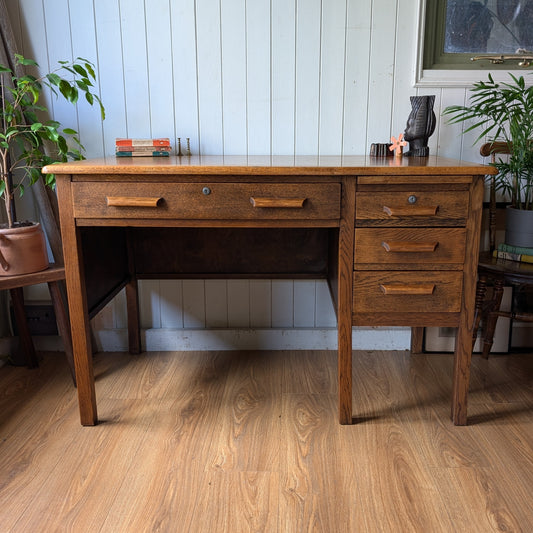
{"x":29,"y":138}
{"x":503,"y":112}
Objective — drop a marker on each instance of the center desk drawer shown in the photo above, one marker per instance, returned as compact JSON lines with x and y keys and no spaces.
{"x":411,"y":208}
{"x":408,"y":246}
{"x":239,"y":201}
{"x":407,"y":292}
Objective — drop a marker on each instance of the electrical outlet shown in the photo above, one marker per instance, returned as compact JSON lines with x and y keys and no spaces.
{"x":40,"y":317}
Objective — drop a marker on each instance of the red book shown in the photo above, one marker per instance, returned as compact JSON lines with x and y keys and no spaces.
{"x":142,"y":148}
{"x":164,"y":141}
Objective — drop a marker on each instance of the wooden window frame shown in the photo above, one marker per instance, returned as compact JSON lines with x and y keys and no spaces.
{"x":458,"y":72}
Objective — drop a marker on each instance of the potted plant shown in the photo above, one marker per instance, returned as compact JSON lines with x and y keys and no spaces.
{"x":503,"y":112}
{"x":30,"y":139}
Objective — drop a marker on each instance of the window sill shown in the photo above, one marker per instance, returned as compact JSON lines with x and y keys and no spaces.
{"x":464,"y":78}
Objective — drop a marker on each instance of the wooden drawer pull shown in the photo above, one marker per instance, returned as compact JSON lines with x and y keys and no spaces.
{"x":278,"y":202}
{"x":411,"y":211}
{"x":408,"y":246}
{"x":132,"y":201}
{"x":408,"y":289}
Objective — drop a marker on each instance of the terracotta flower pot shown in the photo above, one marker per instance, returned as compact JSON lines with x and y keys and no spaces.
{"x":22,"y":250}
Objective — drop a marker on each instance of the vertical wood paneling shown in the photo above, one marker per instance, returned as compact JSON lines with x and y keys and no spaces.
{"x":160,"y":76}
{"x":62,"y":110}
{"x":193,"y":304}
{"x":282,"y":304}
{"x":83,"y":35}
{"x":325,"y":313}
{"x":184,"y":67}
{"x":304,"y":304}
{"x":119,"y":310}
{"x":307,"y":97}
{"x":357,"y":64}
{"x":135,"y":59}
{"x":260,"y":303}
{"x":238,"y":291}
{"x":171,"y":303}
{"x":381,"y":74}
{"x":209,"y":76}
{"x":216,"y":303}
{"x":110,"y":70}
{"x":403,"y":77}
{"x":283,"y":76}
{"x":258,"y":95}
{"x":150,"y":310}
{"x":450,"y":140}
{"x":233,"y":30}
{"x":332,"y":55}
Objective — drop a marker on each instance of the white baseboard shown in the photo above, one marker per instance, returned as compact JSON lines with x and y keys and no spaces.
{"x":363,"y":338}
{"x":162,"y":339}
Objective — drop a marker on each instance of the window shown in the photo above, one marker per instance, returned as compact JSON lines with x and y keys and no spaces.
{"x":457,"y":30}
{"x":440,"y":67}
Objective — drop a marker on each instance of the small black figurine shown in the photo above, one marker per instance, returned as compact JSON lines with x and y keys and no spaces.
{"x":420,"y":125}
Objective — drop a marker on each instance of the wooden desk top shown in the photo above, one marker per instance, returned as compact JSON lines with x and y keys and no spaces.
{"x":272,"y":165}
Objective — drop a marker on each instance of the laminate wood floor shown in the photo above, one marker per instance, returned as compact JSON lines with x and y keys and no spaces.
{"x":249,"y":441}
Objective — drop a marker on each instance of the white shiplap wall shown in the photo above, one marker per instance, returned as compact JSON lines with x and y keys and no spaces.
{"x":239,"y":76}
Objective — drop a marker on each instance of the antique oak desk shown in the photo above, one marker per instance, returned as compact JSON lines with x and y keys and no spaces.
{"x":397,"y":240}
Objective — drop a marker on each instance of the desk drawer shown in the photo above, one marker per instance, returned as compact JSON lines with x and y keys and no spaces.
{"x":409,"y":246}
{"x":407,"y":292}
{"x":197,"y":201}
{"x":411,"y":208}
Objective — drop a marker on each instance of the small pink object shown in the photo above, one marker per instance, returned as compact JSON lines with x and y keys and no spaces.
{"x":397,"y":145}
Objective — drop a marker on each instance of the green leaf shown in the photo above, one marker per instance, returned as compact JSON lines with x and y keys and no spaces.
{"x":70,"y":131}
{"x":65,"y":88}
{"x":54,"y":78}
{"x":62,"y":144}
{"x":26,"y":62}
{"x":36,"y":126}
{"x":35,"y":175}
{"x":80,"y":70}
{"x":82,"y":85}
{"x":90,"y":69}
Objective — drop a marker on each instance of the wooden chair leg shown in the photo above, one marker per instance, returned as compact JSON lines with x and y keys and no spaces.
{"x":25,"y":340}
{"x":481,"y":289}
{"x":63,"y":324}
{"x":492,"y":318}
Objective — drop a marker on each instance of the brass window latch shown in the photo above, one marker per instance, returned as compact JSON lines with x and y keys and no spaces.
{"x":524,"y":58}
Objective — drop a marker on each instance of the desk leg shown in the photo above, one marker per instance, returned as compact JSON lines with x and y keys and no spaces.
{"x":461,"y":374}
{"x":77,"y":303}
{"x":463,"y":339}
{"x":344,"y":306}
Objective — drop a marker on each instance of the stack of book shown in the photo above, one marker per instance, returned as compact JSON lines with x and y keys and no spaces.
{"x":142,"y":147}
{"x":514,"y":253}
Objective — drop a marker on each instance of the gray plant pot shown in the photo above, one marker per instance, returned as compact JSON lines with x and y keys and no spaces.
{"x":519,"y":227}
